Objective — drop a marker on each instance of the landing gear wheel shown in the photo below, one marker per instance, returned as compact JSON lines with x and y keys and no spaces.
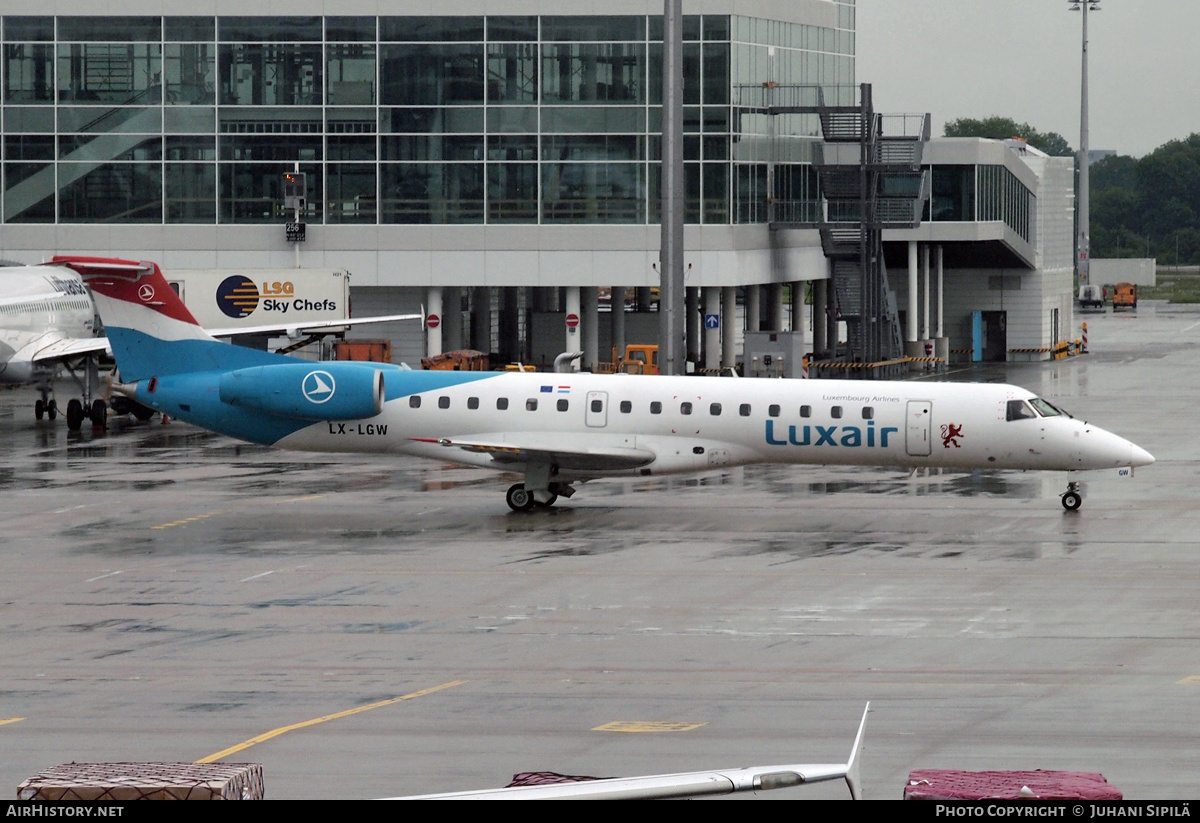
{"x":74,"y":415}
{"x":518,"y":498}
{"x":99,"y":414}
{"x":551,"y":499}
{"x":39,"y":409}
{"x":141,"y":412}
{"x":52,"y":409}
{"x":1072,"y":500}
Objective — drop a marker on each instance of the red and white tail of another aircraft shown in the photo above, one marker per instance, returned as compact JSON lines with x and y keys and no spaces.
{"x":685,"y":784}
{"x":559,"y":430}
{"x":47,"y":322}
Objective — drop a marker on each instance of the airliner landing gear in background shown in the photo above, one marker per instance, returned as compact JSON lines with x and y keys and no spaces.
{"x":45,"y":406}
{"x":1072,"y":498}
{"x":87,"y":408}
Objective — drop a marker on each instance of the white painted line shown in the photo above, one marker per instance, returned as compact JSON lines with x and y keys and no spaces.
{"x":256,"y":576}
{"x":101,"y":577}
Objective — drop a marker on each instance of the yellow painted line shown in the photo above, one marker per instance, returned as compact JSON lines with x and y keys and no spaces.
{"x":647,"y":726}
{"x":1188,"y":681}
{"x":186,"y":520}
{"x":284,"y":729}
{"x":5,"y":721}
{"x":194,"y":518}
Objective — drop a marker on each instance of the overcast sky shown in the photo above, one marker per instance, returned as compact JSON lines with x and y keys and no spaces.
{"x":1021,"y":59}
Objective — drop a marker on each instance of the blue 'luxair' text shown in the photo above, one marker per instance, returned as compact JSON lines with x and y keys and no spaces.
{"x":849,"y":436}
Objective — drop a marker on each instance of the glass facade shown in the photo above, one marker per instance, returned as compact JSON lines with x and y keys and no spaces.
{"x":397,"y":120}
{"x":965,"y":193}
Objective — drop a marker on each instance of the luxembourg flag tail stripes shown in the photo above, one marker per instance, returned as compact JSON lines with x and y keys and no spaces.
{"x":151,"y":331}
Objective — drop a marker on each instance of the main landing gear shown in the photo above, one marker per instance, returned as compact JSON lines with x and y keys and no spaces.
{"x":521,"y":499}
{"x":1072,"y":498}
{"x":45,"y":407}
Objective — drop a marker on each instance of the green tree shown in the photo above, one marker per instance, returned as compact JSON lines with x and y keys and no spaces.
{"x":1002,"y":128}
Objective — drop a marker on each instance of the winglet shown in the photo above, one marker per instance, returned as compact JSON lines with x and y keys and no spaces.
{"x":852,"y":765}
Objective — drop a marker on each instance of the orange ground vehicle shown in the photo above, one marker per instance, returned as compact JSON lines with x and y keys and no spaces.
{"x":1124,"y":296}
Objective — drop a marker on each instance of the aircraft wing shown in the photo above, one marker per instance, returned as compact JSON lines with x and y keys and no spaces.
{"x":685,"y":784}
{"x":68,"y":347}
{"x":296,"y":329}
{"x":573,"y":454}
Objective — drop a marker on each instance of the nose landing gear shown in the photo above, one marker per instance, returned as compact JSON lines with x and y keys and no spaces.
{"x":1072,"y":498}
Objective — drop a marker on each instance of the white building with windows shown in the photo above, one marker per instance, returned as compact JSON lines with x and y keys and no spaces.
{"x":494,"y":162}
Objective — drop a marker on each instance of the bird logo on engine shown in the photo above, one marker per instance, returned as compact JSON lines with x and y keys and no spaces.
{"x":318,"y":387}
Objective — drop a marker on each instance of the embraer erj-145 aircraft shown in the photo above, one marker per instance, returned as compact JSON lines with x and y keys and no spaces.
{"x":46,"y":322}
{"x":560,"y":429}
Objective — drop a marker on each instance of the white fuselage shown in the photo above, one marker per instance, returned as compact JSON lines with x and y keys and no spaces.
{"x":39,"y":306}
{"x":692,"y":424}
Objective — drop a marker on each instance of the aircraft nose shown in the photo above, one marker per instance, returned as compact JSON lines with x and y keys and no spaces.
{"x":1141,"y":457}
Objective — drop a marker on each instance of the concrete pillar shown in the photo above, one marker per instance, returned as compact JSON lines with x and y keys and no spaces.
{"x":643,"y":298}
{"x":729,"y":327}
{"x":941,"y":314}
{"x":753,"y":297}
{"x":481,"y":319}
{"x":911,"y":321}
{"x":572,"y":339}
{"x":692,"y":330}
{"x":590,"y":320}
{"x":712,"y":335}
{"x":775,"y":307}
{"x":434,"y":319}
{"x":941,"y":343}
{"x":912,"y":341}
{"x":617,"y":320}
{"x":799,"y":314}
{"x":925,"y":325}
{"x":820,"y":310}
{"x":452,"y":318}
{"x":510,"y":348}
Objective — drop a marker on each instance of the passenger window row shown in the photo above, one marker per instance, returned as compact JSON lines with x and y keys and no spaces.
{"x":656,"y":407}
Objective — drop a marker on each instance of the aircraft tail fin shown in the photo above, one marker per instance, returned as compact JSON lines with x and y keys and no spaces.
{"x":150,"y":329}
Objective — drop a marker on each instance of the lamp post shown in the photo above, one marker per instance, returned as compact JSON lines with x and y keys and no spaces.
{"x":1083,"y":239}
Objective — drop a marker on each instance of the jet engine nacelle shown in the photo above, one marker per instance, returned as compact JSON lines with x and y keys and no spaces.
{"x":307,"y":391}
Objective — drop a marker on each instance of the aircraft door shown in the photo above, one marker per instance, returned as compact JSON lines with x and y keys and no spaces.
{"x":917,"y":436}
{"x":597,"y":409}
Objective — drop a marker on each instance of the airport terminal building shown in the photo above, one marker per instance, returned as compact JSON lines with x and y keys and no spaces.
{"x":497,"y":163}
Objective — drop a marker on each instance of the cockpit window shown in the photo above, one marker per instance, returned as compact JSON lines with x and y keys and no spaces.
{"x":1020,"y":410}
{"x":1045,"y":408}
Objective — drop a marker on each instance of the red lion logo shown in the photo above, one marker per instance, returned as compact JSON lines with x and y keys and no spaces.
{"x":950,"y":435}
